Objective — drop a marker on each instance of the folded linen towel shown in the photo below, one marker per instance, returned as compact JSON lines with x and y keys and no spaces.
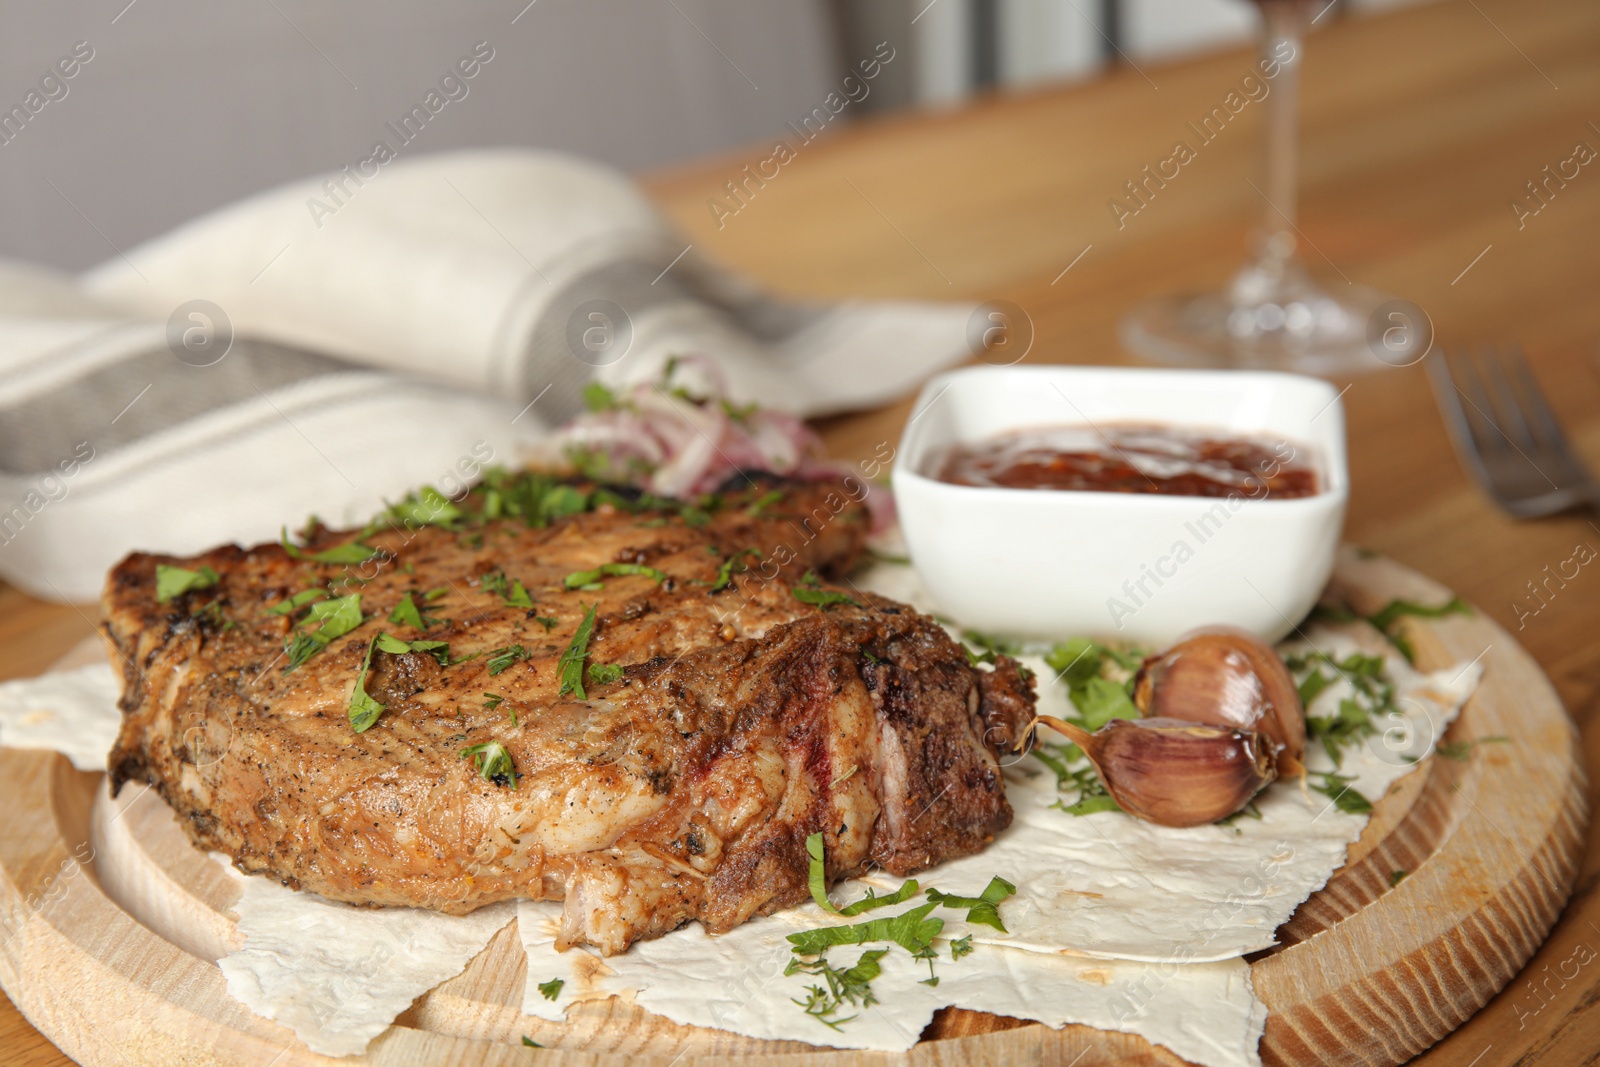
{"x":326,"y":346}
{"x":511,"y":271}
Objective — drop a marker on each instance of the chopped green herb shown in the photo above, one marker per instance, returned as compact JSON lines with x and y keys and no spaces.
{"x":819,"y":886}
{"x":425,"y":507}
{"x":1386,"y":618}
{"x":591,"y":579}
{"x":1080,"y":664}
{"x":211,"y":614}
{"x":961,"y":946}
{"x":552,"y":989}
{"x":983,"y":909}
{"x":597,"y":397}
{"x":570,"y":666}
{"x":349,"y":552}
{"x":912,"y":930}
{"x":535,"y":497}
{"x":852,"y":985}
{"x":176,"y":581}
{"x":604,"y":497}
{"x":392,"y":645}
{"x":494,"y":765}
{"x":299,"y":647}
{"x":821,"y":598}
{"x":562,"y":501}
{"x":1332,"y":613}
{"x":763,"y":502}
{"x":338,"y":616}
{"x":501,"y":658}
{"x":1460,"y":750}
{"x":1249,"y":811}
{"x":549,"y":622}
{"x":293,"y":604}
{"x":1314,"y":683}
{"x":434,"y":594}
{"x":492,"y":700}
{"x":439,"y":650}
{"x":1396,"y":877}
{"x":930,"y":954}
{"x":514,"y":593}
{"x":991,"y":646}
{"x":1090,"y":805}
{"x":818,"y":878}
{"x":872,"y":900}
{"x":405,"y":613}
{"x":739,"y":412}
{"x":364,"y":710}
{"x":1100,"y":700}
{"x":1076,"y":778}
{"x":810,"y":591}
{"x":888,"y":557}
{"x":734,"y":564}
{"x":1337,"y":786}
{"x":605,"y":673}
{"x":1356,"y":716}
{"x":530,"y":1042}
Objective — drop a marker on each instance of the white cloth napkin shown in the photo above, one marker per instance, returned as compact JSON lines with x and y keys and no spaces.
{"x":327,"y":345}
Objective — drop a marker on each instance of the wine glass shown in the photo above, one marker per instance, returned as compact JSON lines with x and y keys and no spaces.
{"x":1274,"y":315}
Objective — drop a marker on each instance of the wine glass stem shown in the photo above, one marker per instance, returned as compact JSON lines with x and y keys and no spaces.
{"x":1284,"y":46}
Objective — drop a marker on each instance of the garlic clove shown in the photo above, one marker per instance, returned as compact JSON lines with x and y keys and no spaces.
{"x":1175,"y":772}
{"x":1225,"y":676}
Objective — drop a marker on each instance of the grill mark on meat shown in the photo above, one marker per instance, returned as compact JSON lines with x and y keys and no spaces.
{"x":744,"y":721}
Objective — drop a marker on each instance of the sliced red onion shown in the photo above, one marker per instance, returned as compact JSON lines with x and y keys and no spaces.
{"x":680,"y":438}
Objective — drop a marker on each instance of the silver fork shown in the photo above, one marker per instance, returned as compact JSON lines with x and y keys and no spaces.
{"x":1506,"y":433}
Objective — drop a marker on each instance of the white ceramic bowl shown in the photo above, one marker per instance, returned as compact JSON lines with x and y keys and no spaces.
{"x":1052,"y":564}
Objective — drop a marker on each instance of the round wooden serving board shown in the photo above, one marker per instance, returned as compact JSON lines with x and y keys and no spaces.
{"x":111,"y":922}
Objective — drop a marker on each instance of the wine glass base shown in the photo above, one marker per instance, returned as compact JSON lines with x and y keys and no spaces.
{"x":1318,"y":333}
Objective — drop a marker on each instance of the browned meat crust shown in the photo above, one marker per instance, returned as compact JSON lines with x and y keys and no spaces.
{"x":744,"y":720}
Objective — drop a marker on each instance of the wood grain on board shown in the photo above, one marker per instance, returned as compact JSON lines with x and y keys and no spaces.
{"x":1420,"y":128}
{"x":114,"y":920}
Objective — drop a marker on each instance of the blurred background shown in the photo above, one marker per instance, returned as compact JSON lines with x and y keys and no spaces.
{"x":184,"y":105}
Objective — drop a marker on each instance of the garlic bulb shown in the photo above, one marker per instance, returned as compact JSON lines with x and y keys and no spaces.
{"x":1224,"y":676}
{"x":1175,"y":772}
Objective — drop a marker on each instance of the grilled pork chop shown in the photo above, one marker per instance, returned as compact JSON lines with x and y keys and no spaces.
{"x":638,"y":708}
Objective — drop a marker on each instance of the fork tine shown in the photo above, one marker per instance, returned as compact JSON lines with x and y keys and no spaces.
{"x":1536,"y":408}
{"x":1463,"y":429}
{"x":1448,"y":395}
{"x":1508,"y":403}
{"x":1518,"y":479}
{"x":1444,"y":391}
{"x":1476,"y":407}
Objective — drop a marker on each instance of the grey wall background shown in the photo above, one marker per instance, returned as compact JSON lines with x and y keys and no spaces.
{"x":187,"y":105}
{"x":190,"y":104}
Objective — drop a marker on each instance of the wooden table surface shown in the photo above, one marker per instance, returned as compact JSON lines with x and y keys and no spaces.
{"x":1421,"y":128}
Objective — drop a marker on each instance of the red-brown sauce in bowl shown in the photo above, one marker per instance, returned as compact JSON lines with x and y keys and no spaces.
{"x":1134,"y":459}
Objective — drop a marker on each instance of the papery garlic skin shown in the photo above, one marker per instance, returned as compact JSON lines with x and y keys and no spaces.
{"x":1225,"y":676}
{"x":1174,"y":772}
